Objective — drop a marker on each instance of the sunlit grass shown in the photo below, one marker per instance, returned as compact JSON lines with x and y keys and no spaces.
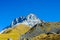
{"x":15,"y":33}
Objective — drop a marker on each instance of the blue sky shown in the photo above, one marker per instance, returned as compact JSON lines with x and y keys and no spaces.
{"x":47,"y":10}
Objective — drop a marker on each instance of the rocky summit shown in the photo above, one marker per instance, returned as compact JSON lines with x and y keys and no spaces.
{"x":31,"y":28}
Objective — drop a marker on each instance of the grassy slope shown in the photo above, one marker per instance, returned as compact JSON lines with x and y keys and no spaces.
{"x":15,"y":33}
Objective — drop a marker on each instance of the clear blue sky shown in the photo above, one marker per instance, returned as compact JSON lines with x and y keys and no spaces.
{"x":47,"y":10}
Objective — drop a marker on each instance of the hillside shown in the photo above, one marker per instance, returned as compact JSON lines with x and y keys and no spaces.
{"x":47,"y":28}
{"x":19,"y":30}
{"x":14,"y":33}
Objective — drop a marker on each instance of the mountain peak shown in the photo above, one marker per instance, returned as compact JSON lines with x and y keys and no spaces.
{"x":31,"y":16}
{"x":30,"y":21}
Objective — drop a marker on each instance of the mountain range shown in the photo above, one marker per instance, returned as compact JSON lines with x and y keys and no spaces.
{"x":26,"y":28}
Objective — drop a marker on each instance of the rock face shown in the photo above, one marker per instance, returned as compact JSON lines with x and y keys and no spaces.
{"x":47,"y":28}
